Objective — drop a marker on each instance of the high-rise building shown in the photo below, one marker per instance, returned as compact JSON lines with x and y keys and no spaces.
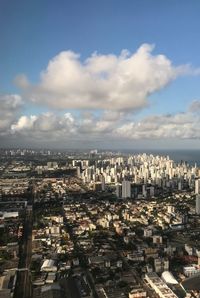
{"x":198,"y":204}
{"x":103,"y":182}
{"x":197,"y":186}
{"x":144,"y":191}
{"x":152,"y":191}
{"x":118,"y":190}
{"x":180,"y":185}
{"x":126,"y":189}
{"x":78,"y":171}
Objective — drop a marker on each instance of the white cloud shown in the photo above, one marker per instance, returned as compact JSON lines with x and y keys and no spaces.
{"x":24,"y":123}
{"x":179,"y":126}
{"x":113,"y":115}
{"x":195,"y":106}
{"x":21,"y":81}
{"x":45,"y":126}
{"x":10,"y":104}
{"x":110,"y":82}
{"x":88,"y":128}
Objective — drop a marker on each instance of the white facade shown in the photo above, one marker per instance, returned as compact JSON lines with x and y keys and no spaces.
{"x":198,"y":204}
{"x":169,"y":278}
{"x":191,"y":270}
{"x":159,"y":286}
{"x":197,"y":186}
{"x":126,"y":189}
{"x":49,"y":266}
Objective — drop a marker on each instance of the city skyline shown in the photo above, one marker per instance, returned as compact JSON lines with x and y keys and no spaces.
{"x":100,"y":75}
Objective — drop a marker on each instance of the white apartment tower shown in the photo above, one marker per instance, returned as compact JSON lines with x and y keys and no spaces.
{"x":126,"y":189}
{"x":198,"y":204}
{"x":197,"y":186}
{"x":118,"y":190}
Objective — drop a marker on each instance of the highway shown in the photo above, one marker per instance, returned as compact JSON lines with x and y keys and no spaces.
{"x":23,"y":287}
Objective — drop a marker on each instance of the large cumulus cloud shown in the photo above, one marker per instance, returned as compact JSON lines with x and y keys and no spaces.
{"x":102,"y":81}
{"x":44,"y":126}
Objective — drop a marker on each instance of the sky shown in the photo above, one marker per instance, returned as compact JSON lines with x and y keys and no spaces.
{"x":107,"y":74}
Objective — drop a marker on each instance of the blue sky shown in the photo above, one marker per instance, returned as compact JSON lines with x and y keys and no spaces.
{"x":34,"y":32}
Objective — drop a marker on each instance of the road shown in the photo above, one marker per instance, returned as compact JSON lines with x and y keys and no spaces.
{"x":23,"y":287}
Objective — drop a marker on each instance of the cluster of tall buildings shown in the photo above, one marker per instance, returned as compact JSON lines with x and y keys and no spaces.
{"x":139,"y":175}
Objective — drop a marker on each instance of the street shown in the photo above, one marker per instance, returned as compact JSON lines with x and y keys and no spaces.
{"x":23,"y":284}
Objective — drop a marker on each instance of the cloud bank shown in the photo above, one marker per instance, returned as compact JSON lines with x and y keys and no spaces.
{"x":48,"y":126}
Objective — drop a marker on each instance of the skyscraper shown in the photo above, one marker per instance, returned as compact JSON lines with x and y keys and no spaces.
{"x":118,"y":190}
{"x":126,"y":189}
{"x":198,"y":204}
{"x":197,"y":186}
